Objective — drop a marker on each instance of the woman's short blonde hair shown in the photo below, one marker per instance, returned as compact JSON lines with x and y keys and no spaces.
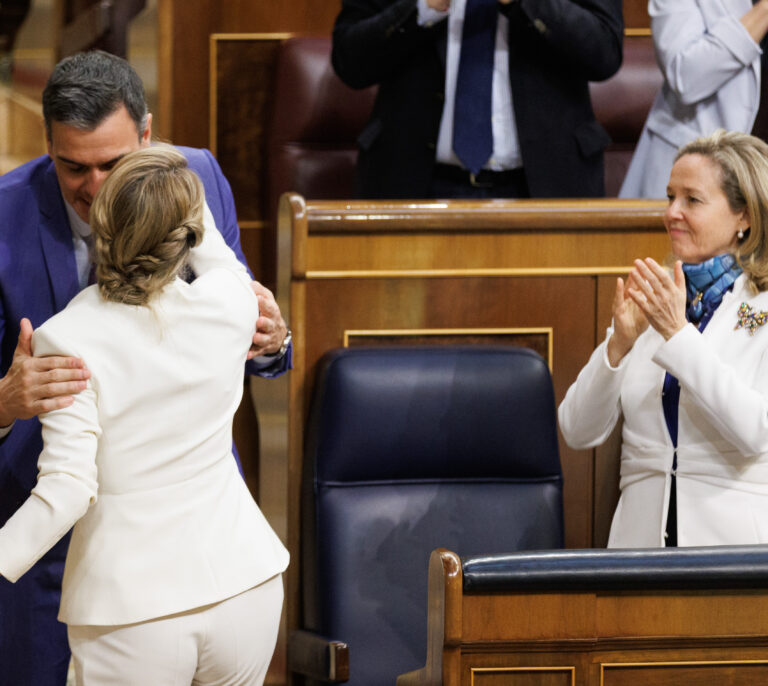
{"x":146,"y":216}
{"x":743,"y":163}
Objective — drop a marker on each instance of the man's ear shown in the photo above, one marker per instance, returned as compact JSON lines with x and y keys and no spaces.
{"x":146,"y":138}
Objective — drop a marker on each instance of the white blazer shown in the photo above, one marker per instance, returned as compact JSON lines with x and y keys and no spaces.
{"x":711,"y":68}
{"x":142,"y":461}
{"x":722,"y":453}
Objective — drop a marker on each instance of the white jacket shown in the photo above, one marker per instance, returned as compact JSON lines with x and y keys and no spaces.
{"x":142,"y":461}
{"x":722,"y":453}
{"x":711,"y":68}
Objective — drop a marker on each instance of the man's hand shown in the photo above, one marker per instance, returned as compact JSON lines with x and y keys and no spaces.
{"x":34,"y":385}
{"x":270,"y":327}
{"x":439,"y":5}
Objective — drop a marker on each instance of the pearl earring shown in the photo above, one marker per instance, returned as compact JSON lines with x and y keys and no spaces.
{"x":740,"y":235}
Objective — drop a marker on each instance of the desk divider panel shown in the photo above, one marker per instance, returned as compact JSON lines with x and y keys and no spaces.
{"x":529,"y":272}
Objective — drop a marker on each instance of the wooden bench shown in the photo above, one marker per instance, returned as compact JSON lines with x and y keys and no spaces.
{"x":661,"y":617}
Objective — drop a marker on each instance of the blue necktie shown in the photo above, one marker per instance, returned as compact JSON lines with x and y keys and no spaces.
{"x":472,"y":133}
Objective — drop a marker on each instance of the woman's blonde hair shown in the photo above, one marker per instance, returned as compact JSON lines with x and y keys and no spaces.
{"x":146,"y":216}
{"x":743,"y":163}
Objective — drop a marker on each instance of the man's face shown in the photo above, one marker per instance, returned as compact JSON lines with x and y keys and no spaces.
{"x":83,"y":159}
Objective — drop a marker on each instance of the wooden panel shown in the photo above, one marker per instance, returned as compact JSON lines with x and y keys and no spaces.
{"x":671,"y":674}
{"x":184,"y":31}
{"x":529,"y":617}
{"x":461,"y":266}
{"x":253,"y":240}
{"x":241,"y":88}
{"x":695,"y":613}
{"x":636,"y":15}
{"x":536,"y":339}
{"x":523,"y":676}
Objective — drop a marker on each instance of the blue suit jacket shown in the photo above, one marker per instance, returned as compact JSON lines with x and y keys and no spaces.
{"x":38,"y":277}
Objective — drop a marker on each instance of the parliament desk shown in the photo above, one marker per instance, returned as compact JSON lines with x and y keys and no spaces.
{"x":665,"y":617}
{"x":538,"y":273}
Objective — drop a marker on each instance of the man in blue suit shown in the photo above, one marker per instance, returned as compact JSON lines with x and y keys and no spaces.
{"x":95,"y":113}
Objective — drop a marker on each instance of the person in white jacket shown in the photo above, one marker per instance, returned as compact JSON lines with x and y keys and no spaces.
{"x":685,"y":362}
{"x":709,"y":54}
{"x":173,"y":576}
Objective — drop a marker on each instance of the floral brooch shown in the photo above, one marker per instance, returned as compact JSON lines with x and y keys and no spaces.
{"x":749,"y":319}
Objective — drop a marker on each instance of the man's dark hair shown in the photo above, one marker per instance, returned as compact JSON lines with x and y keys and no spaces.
{"x":85,"y":89}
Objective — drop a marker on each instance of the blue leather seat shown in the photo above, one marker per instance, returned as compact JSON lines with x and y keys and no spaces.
{"x":409,"y":449}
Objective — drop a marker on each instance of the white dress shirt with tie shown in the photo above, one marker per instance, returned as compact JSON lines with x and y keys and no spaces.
{"x":506,"y":146}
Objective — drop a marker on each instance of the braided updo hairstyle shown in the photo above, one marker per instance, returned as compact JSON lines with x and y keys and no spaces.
{"x":145,"y":218}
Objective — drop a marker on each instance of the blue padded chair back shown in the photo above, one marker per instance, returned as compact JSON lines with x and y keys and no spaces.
{"x":407,"y":450}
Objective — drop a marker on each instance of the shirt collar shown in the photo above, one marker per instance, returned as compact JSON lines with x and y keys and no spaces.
{"x":79,"y":228}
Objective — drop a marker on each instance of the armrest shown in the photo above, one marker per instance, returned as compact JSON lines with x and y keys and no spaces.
{"x":318,"y":657}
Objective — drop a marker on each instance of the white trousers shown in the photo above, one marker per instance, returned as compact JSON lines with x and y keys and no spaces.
{"x":225,"y":644}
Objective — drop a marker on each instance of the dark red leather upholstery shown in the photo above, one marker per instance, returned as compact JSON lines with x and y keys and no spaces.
{"x":316,"y":119}
{"x":621,"y":105}
{"x":312,"y":146}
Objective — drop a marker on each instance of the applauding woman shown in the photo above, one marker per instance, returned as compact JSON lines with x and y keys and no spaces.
{"x":685,"y":362}
{"x":173,"y":576}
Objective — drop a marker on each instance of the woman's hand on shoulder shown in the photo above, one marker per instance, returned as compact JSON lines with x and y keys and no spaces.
{"x":628,"y":323}
{"x":659,"y":295}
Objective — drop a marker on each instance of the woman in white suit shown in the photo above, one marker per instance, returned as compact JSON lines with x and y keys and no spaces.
{"x":709,"y":54}
{"x":685,"y":362}
{"x":173,"y":575}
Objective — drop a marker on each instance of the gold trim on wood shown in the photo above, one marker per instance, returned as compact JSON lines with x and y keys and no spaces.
{"x":547,"y":330}
{"x":681,"y":663}
{"x":251,"y":36}
{"x":553,"y":668}
{"x":440,"y":273}
{"x":252,"y":224}
{"x":637,"y":32}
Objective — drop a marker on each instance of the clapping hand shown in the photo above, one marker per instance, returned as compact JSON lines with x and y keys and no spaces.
{"x":628,"y":321}
{"x":659,"y":295}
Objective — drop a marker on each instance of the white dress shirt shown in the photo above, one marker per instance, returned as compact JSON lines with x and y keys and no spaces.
{"x":506,"y":145}
{"x":81,"y":238}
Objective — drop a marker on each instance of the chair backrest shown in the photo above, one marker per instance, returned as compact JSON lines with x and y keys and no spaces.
{"x":312,"y":138}
{"x":409,"y":449}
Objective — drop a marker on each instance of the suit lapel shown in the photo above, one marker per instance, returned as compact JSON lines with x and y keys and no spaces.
{"x":56,"y":242}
